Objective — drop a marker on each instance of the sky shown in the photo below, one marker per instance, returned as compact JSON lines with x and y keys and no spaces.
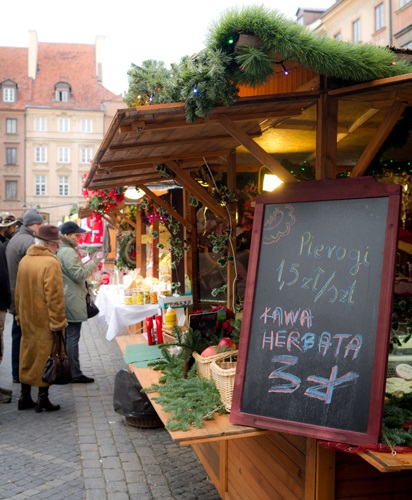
{"x":134,"y":31}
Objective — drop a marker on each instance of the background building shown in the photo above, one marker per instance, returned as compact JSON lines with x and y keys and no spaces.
{"x":381,"y":22}
{"x":54,"y":110}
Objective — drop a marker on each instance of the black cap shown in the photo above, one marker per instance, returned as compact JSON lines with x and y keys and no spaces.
{"x":71,"y":227}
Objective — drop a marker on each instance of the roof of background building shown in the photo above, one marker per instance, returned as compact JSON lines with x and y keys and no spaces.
{"x":57,"y":62}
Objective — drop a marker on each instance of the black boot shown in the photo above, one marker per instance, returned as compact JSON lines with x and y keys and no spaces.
{"x":25,"y":401}
{"x":43,"y":401}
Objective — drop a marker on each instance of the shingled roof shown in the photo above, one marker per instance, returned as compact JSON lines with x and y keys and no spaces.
{"x":57,"y":62}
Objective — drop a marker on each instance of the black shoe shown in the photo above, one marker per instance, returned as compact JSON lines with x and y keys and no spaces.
{"x":25,"y":403}
{"x":82,"y":380}
{"x":16,"y":381}
{"x":43,"y":403}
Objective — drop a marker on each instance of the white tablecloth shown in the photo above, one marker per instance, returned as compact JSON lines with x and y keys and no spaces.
{"x":116,"y":313}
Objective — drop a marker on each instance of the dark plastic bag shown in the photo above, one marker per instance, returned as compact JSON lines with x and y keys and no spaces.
{"x":127,"y":398}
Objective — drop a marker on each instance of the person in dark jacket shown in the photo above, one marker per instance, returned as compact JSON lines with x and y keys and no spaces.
{"x":8,"y":224}
{"x":75,"y":274}
{"x":16,"y":250}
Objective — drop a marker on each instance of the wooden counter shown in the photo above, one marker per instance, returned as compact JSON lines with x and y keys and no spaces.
{"x":245,"y":463}
{"x":215,"y":430}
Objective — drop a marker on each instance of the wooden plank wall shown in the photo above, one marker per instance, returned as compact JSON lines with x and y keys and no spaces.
{"x":280,"y":83}
{"x":358,"y":480}
{"x":269,"y":467}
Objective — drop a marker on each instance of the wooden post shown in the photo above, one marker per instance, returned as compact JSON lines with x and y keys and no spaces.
{"x":155,"y":250}
{"x":140,"y":249}
{"x":230,"y":275}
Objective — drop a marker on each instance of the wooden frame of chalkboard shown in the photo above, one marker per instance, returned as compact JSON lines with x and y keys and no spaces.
{"x":317,"y":313}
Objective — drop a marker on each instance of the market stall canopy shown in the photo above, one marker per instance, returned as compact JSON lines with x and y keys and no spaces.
{"x":262,"y":130}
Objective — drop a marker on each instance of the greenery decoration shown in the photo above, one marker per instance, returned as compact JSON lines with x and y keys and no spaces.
{"x":397,"y":412}
{"x":190,"y":400}
{"x":127,"y":250}
{"x":213,"y":75}
{"x":281,"y":37}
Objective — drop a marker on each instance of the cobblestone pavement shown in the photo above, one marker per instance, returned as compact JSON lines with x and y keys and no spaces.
{"x":85,"y":450}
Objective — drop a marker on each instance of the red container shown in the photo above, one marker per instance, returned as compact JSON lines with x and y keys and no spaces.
{"x":159,"y":326}
{"x":149,"y":330}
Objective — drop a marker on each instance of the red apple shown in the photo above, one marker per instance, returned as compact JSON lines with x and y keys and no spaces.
{"x":209,"y":351}
{"x":226,"y":342}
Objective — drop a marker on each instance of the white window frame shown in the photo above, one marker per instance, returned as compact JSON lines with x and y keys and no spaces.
{"x":11,"y":190}
{"x":63,"y":154}
{"x":40,"y":124}
{"x":63,"y":124}
{"x":86,"y":155}
{"x":379,"y":17}
{"x":40,"y":185}
{"x":62,"y":95}
{"x":63,"y":185}
{"x":9,"y":94}
{"x":11,"y":126}
{"x":356,"y":30}
{"x":86,"y":125}
{"x":11,"y":156}
{"x":40,"y":154}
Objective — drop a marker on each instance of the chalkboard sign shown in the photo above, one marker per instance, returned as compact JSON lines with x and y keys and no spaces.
{"x":317,"y":314}
{"x":204,"y":322}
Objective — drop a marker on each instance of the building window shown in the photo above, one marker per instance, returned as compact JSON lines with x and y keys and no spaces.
{"x":40,"y":181}
{"x":40,"y":155}
{"x":86,"y":125}
{"x":338,"y":36}
{"x":64,"y":124}
{"x":63,"y":185}
{"x":86,"y":155}
{"x":62,"y":91}
{"x":63,"y":155}
{"x":11,"y":126}
{"x":9,"y":94}
{"x":40,"y":124}
{"x":379,"y":17}
{"x":408,"y":45}
{"x":11,"y":190}
{"x":11,"y":156}
{"x":356,"y":31}
{"x":402,"y":3}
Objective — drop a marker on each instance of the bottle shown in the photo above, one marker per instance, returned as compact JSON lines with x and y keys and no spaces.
{"x":149,"y":330}
{"x":170,"y":318}
{"x":159,"y":328}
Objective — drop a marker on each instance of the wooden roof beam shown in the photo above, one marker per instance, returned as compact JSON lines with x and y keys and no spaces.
{"x":196,"y":190}
{"x":384,"y":129}
{"x":162,"y":159}
{"x":259,"y":153}
{"x":166,"y":206}
{"x":203,"y":140}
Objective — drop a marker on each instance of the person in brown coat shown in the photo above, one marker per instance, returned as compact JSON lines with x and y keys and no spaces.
{"x":39,"y":299}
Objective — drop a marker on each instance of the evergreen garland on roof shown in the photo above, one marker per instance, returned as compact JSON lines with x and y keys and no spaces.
{"x":279,"y":36}
{"x":213,"y":75}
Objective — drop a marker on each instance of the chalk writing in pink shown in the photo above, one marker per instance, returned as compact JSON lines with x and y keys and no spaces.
{"x":277,"y":225}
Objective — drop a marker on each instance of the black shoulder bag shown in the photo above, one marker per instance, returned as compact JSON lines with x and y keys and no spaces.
{"x":57,"y":369}
{"x":92,"y":309}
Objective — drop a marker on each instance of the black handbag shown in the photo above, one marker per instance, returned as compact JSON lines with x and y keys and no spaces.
{"x":92,"y":309}
{"x":57,"y":369}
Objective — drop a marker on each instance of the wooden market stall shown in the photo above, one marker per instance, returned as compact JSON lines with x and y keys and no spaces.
{"x":300,"y":118}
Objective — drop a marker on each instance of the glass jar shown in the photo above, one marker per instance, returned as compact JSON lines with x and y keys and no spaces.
{"x":138,"y":297}
{"x":128,"y":297}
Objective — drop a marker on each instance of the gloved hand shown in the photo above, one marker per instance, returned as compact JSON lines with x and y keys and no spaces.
{"x":101,"y":255}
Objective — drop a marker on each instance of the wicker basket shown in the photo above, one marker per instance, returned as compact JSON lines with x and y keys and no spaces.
{"x":203,"y":364}
{"x":223,"y":373}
